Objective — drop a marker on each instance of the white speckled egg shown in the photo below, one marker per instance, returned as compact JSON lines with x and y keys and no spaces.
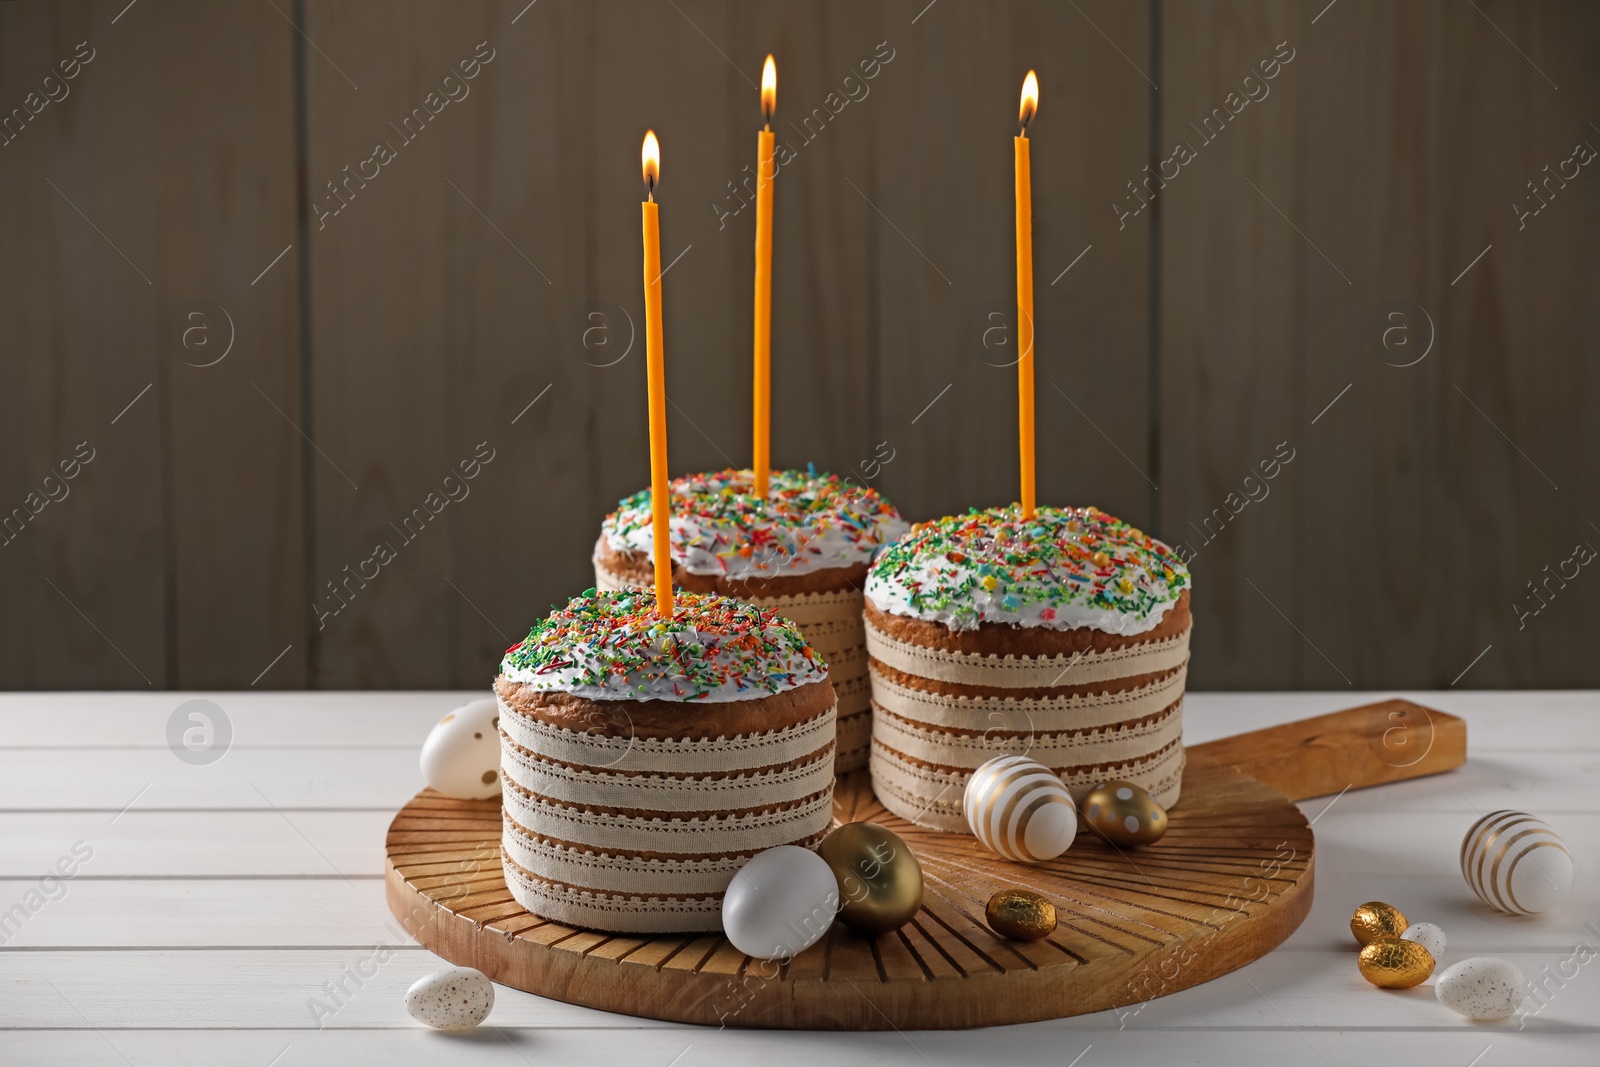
{"x":780,"y":903}
{"x":456,"y":998}
{"x":1019,"y":808}
{"x":1428,"y":936}
{"x":1483,"y":988}
{"x":461,"y":757}
{"x":1516,"y":863}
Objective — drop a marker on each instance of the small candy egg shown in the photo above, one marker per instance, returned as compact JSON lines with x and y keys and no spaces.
{"x":1482,"y":988}
{"x":880,"y":881}
{"x":1019,"y":808}
{"x":780,"y":903}
{"x":1100,"y":559}
{"x":1516,"y":863}
{"x":1375,"y":919}
{"x":1395,"y":963}
{"x":1124,"y":814}
{"x":1428,"y":936}
{"x":1021,"y":915}
{"x":456,"y":998}
{"x":461,"y":757}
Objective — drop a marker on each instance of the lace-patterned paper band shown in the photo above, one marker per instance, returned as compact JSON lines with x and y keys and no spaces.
{"x":1028,"y":672}
{"x":620,"y":913}
{"x":931,"y":797}
{"x":639,"y":835}
{"x":833,"y":624}
{"x":1076,"y":712}
{"x":971,"y":749}
{"x":927,"y":739}
{"x":697,"y":834}
{"x":722,"y":755}
{"x":570,"y":784}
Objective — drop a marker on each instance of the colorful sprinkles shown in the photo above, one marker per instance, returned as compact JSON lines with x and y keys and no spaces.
{"x":1064,"y":567}
{"x":613,"y":645}
{"x":807,"y":521}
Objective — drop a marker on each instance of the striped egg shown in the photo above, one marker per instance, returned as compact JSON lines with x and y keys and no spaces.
{"x":1019,"y":808}
{"x":1516,"y":863}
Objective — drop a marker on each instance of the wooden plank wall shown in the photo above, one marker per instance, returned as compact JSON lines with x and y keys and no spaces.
{"x":298,"y":513}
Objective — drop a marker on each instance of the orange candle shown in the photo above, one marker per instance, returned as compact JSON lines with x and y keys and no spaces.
{"x":765,"y":173}
{"x":654,"y":371}
{"x":1030,"y":105}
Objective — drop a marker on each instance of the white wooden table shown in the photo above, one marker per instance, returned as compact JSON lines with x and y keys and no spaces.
{"x":213,"y":908}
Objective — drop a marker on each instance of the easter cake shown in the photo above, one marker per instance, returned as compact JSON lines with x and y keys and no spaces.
{"x":645,"y":760}
{"x":1064,"y":637}
{"x":804,"y":551}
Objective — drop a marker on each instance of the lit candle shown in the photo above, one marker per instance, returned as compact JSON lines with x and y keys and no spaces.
{"x":765,"y":173}
{"x":659,"y":490}
{"x":1030,"y":105}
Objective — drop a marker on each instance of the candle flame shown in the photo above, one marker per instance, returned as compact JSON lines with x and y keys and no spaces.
{"x":1030,"y":98}
{"x":769,"y":88}
{"x":650,"y":156}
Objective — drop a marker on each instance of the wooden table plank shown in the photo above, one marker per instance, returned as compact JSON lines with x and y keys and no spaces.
{"x":725,"y":1048}
{"x":293,"y":780}
{"x":275,"y":989}
{"x":1499,"y":722}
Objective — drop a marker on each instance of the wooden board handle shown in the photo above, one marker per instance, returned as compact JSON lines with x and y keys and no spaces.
{"x":1389,"y":741}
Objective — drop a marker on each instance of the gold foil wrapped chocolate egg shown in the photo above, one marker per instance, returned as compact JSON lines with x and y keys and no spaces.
{"x":1395,"y":963}
{"x":880,"y":881}
{"x":1021,"y":915}
{"x":1375,"y":919}
{"x":1124,"y":814}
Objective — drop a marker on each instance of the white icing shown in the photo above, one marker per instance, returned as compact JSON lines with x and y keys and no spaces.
{"x":738,"y":652}
{"x":809,"y":522}
{"x":1055,"y":586}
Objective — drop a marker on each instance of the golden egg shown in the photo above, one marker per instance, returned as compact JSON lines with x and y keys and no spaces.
{"x":1124,"y":814}
{"x":1021,"y":915}
{"x":1375,"y":919}
{"x":1100,"y":559}
{"x":880,"y":881}
{"x":1395,"y":963}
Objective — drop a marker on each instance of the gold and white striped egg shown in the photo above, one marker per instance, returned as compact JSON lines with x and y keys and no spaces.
{"x":1020,"y":809}
{"x":1516,"y":863}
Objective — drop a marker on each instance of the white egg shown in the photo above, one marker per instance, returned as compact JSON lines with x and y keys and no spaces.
{"x":1516,"y":863}
{"x":1482,"y":988}
{"x":780,"y":903}
{"x":461,"y":757}
{"x":456,"y":998}
{"x":1428,"y":936}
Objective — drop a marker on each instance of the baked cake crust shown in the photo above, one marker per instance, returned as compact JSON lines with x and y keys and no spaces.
{"x":1063,"y":637}
{"x":631,"y":811}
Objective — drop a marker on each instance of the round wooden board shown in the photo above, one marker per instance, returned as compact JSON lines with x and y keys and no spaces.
{"x":1229,"y":882}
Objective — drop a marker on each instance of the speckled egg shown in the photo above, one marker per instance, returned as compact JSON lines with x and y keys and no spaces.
{"x":1124,"y":814}
{"x":1516,"y":863}
{"x":1483,"y":988}
{"x":461,"y":757}
{"x":1428,"y":936}
{"x":1395,"y":963}
{"x":1374,"y":920}
{"x":456,"y":998}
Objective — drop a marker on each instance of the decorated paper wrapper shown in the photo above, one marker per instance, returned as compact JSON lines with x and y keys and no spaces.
{"x":645,"y":758}
{"x":1089,"y":716}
